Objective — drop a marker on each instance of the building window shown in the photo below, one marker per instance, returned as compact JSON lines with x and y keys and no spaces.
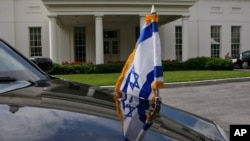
{"x":216,"y":9}
{"x":178,"y":43}
{"x":236,"y":10}
{"x":35,"y":41}
{"x":235,"y":40}
{"x":80,"y":44}
{"x":215,"y":41}
{"x":111,"y":42}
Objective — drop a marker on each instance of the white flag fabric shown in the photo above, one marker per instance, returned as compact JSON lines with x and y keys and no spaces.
{"x":139,"y":81}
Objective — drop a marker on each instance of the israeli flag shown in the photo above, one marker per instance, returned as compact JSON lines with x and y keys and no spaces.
{"x":139,"y":81}
{"x":142,"y":73}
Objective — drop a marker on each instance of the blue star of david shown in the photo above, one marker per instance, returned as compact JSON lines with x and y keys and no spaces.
{"x":130,"y":113}
{"x":130,"y":108}
{"x":136,"y":77}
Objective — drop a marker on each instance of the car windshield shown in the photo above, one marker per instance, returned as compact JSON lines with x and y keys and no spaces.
{"x":14,"y":67}
{"x":246,"y":53}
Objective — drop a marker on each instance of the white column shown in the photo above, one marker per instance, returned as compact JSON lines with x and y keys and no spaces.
{"x":185,"y":40}
{"x":142,"y":21}
{"x":99,"y":39}
{"x":53,"y":38}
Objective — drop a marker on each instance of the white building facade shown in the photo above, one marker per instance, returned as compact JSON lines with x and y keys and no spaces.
{"x":99,"y":31}
{"x":215,"y":28}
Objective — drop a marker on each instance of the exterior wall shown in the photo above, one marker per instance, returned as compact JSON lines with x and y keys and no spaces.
{"x":225,"y":17}
{"x":66,"y":40}
{"x":128,"y":40}
{"x":202,"y":17}
{"x":7,"y":30}
{"x":30,"y":13}
{"x":167,"y":37}
{"x":16,"y":16}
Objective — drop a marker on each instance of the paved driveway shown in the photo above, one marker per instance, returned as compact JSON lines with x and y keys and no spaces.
{"x":225,"y":104}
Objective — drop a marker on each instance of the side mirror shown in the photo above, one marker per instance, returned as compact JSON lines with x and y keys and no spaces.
{"x":44,"y":63}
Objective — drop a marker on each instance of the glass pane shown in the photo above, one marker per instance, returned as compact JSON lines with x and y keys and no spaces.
{"x":215,"y":41}
{"x":178,"y":43}
{"x":106,"y":47}
{"x":35,"y":41}
{"x":111,"y":42}
{"x":80,"y":44}
{"x":235,"y":40}
{"x":114,"y":47}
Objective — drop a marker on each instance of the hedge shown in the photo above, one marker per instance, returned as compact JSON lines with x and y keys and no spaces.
{"x":198,"y":63}
{"x":219,"y":64}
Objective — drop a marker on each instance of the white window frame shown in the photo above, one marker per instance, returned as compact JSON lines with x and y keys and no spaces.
{"x":178,"y":43}
{"x":35,"y":41}
{"x":215,"y":41}
{"x":235,"y":40}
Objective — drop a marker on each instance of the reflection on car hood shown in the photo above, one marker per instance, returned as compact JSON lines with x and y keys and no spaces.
{"x":10,"y":86}
{"x":64,"y":110}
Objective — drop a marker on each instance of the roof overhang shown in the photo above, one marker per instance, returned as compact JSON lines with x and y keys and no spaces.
{"x":169,"y":10}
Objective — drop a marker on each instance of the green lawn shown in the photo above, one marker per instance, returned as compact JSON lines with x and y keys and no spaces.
{"x":169,"y":76}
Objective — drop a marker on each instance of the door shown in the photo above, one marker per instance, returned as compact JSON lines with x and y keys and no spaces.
{"x":111,"y":46}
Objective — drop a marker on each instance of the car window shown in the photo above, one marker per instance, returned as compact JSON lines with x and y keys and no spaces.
{"x":247,"y":53}
{"x":12,"y":65}
{"x":8,"y":63}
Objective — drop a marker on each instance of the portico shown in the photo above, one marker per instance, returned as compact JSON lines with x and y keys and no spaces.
{"x":77,"y":27}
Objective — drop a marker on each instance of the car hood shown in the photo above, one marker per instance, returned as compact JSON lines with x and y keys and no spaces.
{"x":63,"y":110}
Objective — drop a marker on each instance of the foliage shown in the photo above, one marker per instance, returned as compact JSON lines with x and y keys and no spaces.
{"x":198,"y":63}
{"x":219,"y":64}
{"x":172,"y":66}
{"x":86,"y":68}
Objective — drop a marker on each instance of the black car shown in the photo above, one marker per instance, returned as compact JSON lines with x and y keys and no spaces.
{"x":35,"y":106}
{"x":243,"y":60}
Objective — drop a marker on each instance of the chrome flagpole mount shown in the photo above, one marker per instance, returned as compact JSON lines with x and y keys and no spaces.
{"x":157,"y":107}
{"x":158,"y":98}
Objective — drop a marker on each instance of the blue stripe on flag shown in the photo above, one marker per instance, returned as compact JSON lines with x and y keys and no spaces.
{"x":146,"y":88}
{"x":142,"y":107}
{"x":158,"y":72}
{"x":148,"y":31}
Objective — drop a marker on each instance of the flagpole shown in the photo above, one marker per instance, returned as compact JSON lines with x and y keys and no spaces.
{"x":158,"y":100}
{"x":153,"y":115}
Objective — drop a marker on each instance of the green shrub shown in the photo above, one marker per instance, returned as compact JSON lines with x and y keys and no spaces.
{"x":110,"y":68}
{"x":172,"y":66}
{"x":56,"y":68}
{"x":86,"y":68}
{"x":219,"y":64}
{"x":197,"y":63}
